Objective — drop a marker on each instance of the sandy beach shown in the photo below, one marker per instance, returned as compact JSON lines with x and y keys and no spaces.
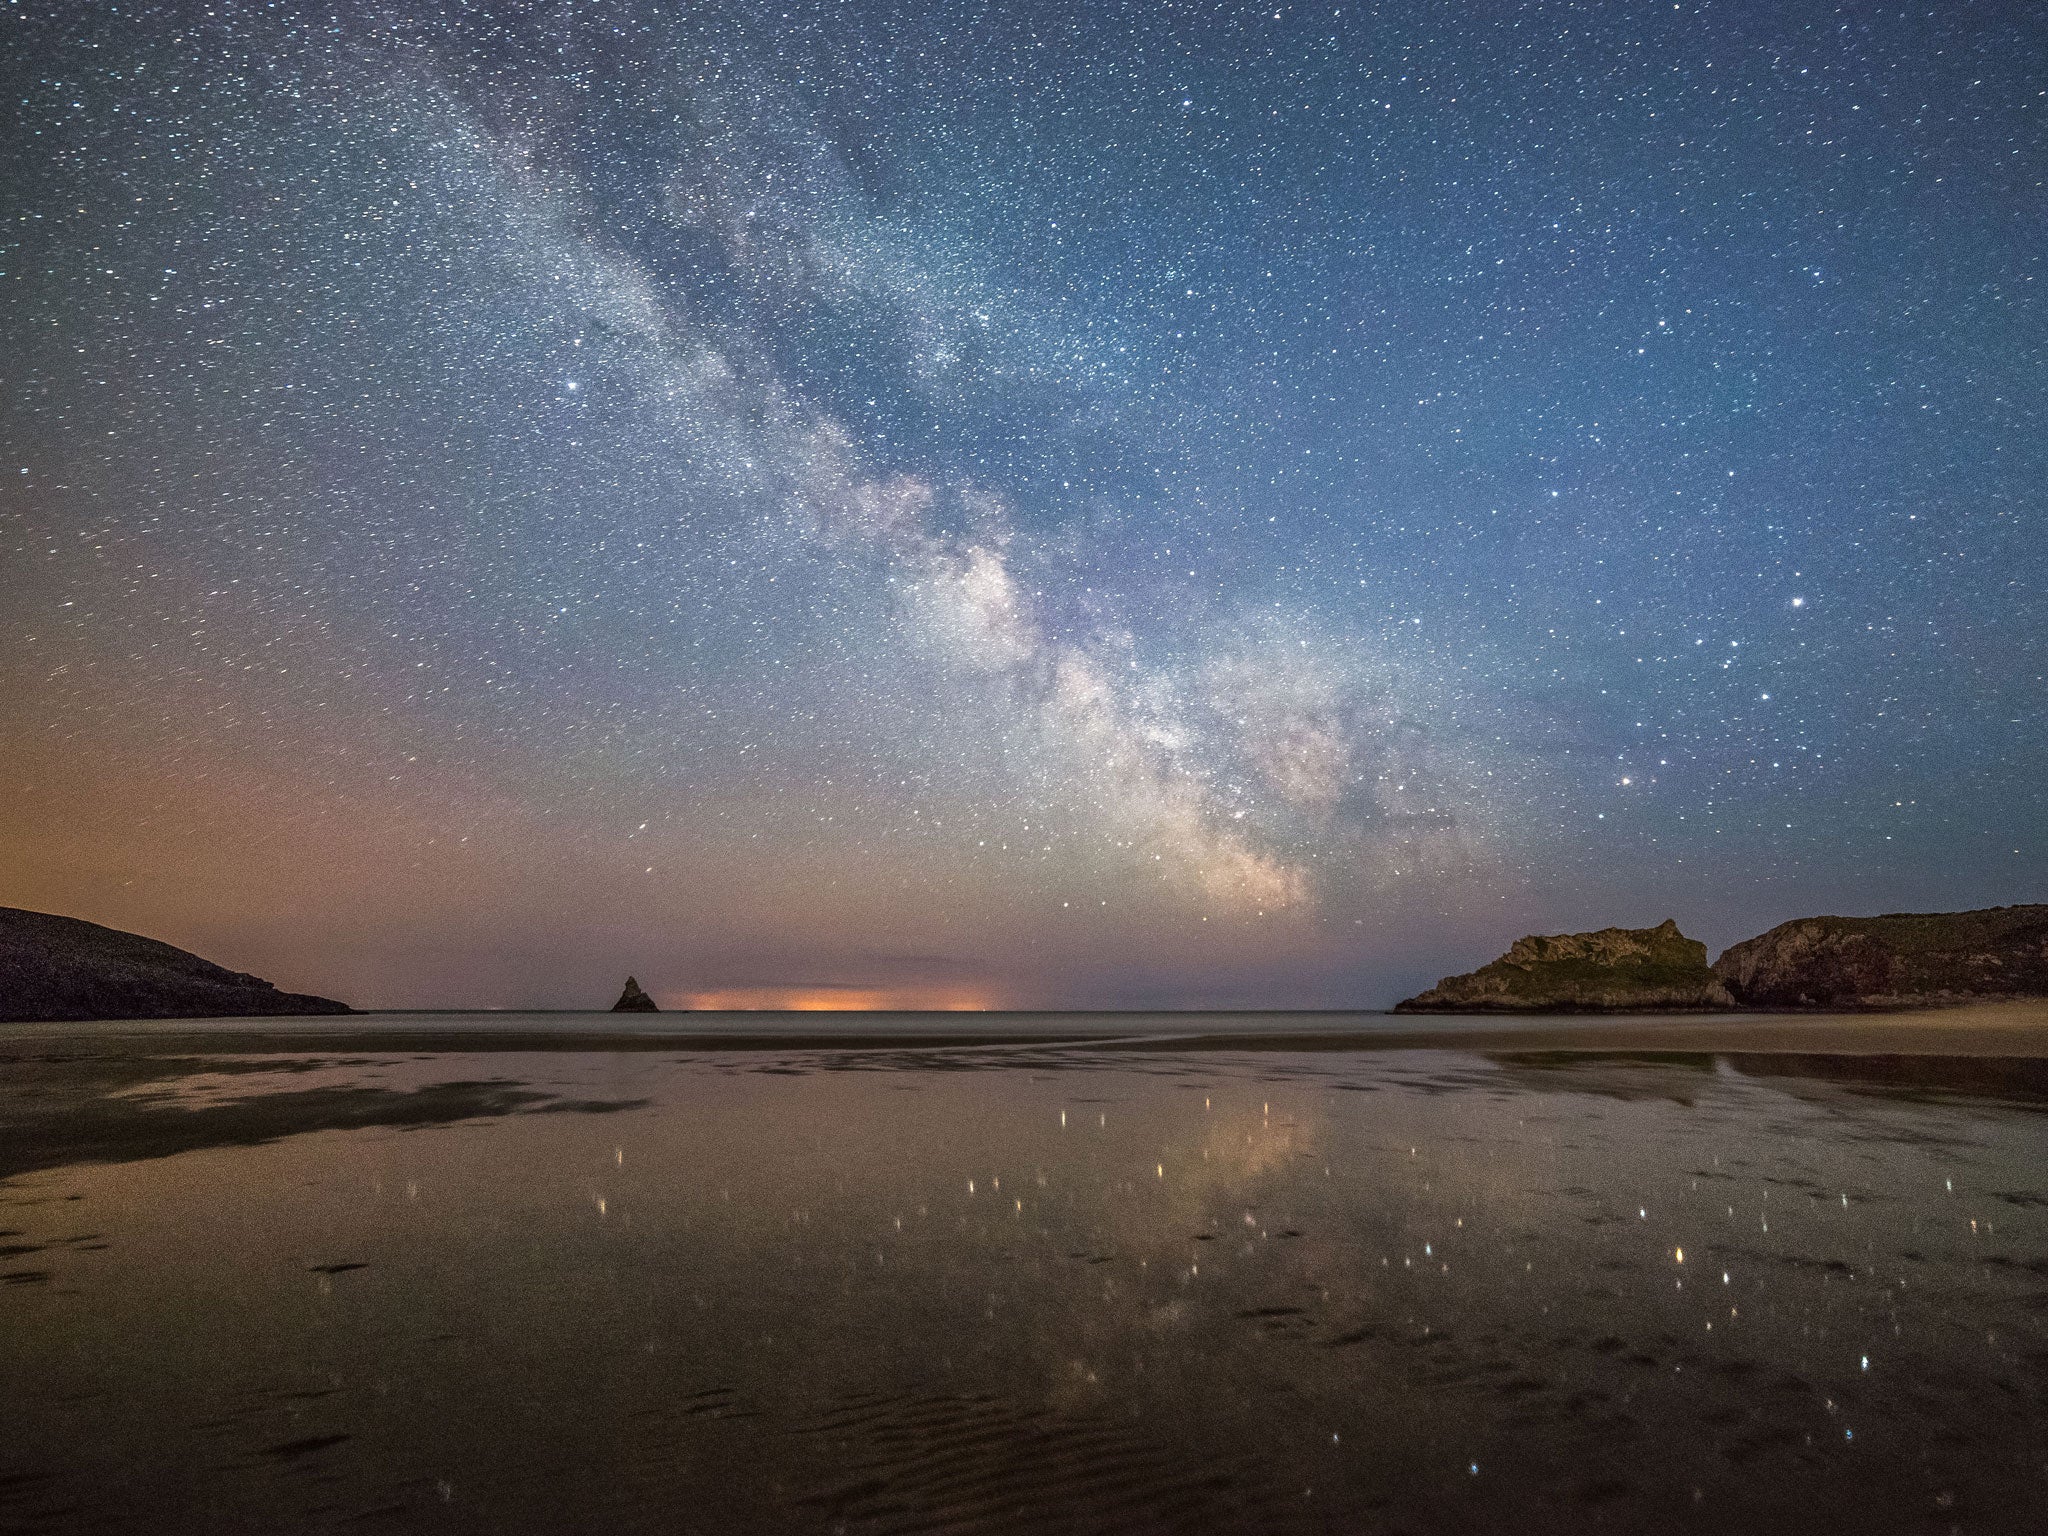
{"x":2016,"y":1028}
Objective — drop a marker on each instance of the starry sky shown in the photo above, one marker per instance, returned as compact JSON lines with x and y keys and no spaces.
{"x":941,"y":504}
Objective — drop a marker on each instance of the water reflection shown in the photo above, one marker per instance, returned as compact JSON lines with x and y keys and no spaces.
{"x":1058,"y":1288}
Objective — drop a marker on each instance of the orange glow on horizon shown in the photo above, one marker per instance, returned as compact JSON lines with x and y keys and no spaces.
{"x":831,"y":999}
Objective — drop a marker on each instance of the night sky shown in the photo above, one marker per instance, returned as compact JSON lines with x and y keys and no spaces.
{"x":952,"y":504}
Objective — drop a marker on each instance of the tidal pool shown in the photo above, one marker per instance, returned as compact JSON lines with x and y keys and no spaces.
{"x":1026,"y":1287}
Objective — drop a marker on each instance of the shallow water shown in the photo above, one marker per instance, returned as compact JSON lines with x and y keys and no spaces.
{"x":563,"y":1027}
{"x":1020,"y":1287}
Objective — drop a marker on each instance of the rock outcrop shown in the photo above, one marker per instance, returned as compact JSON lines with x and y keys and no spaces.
{"x":1899,"y":960}
{"x":61,"y":968}
{"x":1616,"y":970}
{"x":633,"y":1000}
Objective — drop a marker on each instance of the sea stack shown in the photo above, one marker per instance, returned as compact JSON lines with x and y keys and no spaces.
{"x":633,"y":1000}
{"x":63,"y":968}
{"x":1615,"y":970}
{"x":1899,"y":960}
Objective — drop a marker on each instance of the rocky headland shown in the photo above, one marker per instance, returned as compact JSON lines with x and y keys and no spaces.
{"x":1614,"y":970}
{"x":1830,"y":964}
{"x":1898,"y":960}
{"x":62,"y":968}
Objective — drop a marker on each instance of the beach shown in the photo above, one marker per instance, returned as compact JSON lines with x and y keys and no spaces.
{"x":1080,"y":1272}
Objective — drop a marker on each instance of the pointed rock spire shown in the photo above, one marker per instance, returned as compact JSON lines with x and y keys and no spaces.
{"x":633,"y":1000}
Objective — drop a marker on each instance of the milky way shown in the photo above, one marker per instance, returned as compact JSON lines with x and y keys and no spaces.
{"x":947,"y":504}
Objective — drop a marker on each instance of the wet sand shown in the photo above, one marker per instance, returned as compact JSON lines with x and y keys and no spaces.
{"x":509,"y":1275}
{"x":2015,"y":1029}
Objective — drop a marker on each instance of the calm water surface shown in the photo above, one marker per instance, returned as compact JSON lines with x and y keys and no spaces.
{"x":1019,"y":1287}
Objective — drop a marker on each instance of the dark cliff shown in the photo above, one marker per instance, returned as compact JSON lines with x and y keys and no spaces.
{"x":1899,"y":960}
{"x":1613,"y":970}
{"x":61,"y":968}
